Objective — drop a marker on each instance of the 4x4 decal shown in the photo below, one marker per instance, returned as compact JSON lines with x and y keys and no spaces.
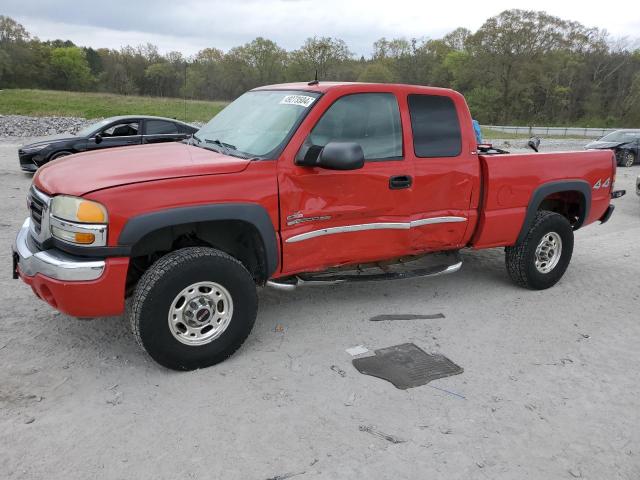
{"x":599,"y":183}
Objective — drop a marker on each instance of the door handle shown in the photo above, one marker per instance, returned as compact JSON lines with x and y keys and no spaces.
{"x":398,"y":182}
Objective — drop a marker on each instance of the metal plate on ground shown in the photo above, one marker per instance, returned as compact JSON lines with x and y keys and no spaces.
{"x":406,"y":366}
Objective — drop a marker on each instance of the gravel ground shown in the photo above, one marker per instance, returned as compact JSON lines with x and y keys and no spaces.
{"x":25,"y":126}
{"x":550,"y":386}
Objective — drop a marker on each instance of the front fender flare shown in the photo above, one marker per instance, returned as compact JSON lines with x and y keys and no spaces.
{"x":137,"y":227}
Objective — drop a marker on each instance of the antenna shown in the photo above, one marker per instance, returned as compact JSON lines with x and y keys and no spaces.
{"x":315,"y":81}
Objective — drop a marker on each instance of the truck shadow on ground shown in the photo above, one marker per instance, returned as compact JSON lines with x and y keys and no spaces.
{"x":107,"y":342}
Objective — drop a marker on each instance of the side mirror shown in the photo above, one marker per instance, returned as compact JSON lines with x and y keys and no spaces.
{"x":341,"y":156}
{"x":98,"y":139}
{"x":534,"y":143}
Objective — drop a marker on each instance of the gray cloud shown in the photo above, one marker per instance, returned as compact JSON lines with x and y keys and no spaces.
{"x":191,"y":25}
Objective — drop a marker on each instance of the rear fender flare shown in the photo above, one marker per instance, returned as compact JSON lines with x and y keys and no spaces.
{"x":137,"y":227}
{"x":543,"y":191}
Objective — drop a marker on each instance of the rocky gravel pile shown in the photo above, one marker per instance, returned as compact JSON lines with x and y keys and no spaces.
{"x":25,"y":126}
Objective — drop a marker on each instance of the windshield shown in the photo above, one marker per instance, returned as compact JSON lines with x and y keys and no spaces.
{"x":620,"y":136}
{"x":257,"y":123}
{"x":89,"y":129}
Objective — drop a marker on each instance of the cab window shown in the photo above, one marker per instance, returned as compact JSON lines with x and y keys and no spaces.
{"x":370,"y":119}
{"x":435,"y":126}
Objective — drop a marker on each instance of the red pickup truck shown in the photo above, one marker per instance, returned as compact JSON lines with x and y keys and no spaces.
{"x":290,"y":184}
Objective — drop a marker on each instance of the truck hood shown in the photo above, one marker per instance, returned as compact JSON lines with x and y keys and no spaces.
{"x":86,"y":172}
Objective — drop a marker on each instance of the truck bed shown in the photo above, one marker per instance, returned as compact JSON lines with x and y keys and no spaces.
{"x":509,"y":182}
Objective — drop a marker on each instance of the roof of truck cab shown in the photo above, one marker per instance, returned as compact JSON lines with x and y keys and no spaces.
{"x":322,"y":87}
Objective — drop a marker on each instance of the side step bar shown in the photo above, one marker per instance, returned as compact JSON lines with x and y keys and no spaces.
{"x":291,"y":283}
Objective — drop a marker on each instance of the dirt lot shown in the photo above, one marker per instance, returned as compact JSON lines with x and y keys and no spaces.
{"x":550,"y":388}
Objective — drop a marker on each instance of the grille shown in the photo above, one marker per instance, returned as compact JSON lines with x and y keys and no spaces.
{"x":37,"y":208}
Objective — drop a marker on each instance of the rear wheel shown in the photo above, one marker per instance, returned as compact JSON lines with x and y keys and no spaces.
{"x":540,"y":260}
{"x":193,"y":308}
{"x":628,"y":159}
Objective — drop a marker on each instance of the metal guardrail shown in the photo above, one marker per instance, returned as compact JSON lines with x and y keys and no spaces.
{"x":553,"y":131}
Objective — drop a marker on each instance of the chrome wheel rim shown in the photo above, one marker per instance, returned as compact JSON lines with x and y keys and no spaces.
{"x":200,"y":313}
{"x":629,"y":159}
{"x":548,"y":252}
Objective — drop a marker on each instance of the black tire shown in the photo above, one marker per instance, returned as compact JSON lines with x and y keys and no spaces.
{"x":60,"y":154}
{"x":160,"y":285}
{"x":521,"y":258}
{"x":628,"y":159}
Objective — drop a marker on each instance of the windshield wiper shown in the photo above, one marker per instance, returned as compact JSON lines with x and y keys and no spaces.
{"x":226,"y":147}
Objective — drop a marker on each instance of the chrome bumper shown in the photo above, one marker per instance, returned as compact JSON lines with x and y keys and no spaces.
{"x":53,"y":263}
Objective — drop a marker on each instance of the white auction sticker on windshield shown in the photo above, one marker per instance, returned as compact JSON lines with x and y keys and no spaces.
{"x":302,"y":100}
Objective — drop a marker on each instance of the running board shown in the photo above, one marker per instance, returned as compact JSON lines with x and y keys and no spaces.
{"x":291,"y":283}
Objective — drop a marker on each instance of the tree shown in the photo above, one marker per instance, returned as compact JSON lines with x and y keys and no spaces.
{"x":204,"y":75}
{"x":457,"y":39}
{"x":376,"y":73}
{"x":323,"y":55}
{"x":11,"y":31}
{"x":266,"y":58}
{"x":70,"y":68}
{"x":161,"y":79}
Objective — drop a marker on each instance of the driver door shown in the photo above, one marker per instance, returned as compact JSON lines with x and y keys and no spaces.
{"x":331,"y":218}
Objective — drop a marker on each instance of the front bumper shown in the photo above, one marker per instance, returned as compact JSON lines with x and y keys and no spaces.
{"x":74,"y":285}
{"x":53,"y":263}
{"x":29,"y":161}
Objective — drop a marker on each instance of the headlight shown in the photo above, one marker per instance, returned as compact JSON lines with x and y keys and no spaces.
{"x":37,"y":148}
{"x":79,"y":221}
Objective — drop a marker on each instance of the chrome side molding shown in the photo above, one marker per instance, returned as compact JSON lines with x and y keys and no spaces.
{"x":374,"y":226}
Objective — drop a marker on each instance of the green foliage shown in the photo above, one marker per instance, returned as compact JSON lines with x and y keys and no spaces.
{"x":70,"y":68}
{"x":520,"y":66}
{"x":376,"y":73}
{"x":160,"y":77}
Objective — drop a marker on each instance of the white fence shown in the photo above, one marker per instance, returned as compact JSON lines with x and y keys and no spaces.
{"x":552,"y":131}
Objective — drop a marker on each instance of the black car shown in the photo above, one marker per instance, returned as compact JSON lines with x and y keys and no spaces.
{"x":626,"y":144}
{"x":107,"y":133}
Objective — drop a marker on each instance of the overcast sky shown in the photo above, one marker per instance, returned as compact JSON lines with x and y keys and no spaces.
{"x":190,"y":25}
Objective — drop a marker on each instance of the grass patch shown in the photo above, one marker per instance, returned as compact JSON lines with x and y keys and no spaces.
{"x":99,"y":105}
{"x":489,"y":134}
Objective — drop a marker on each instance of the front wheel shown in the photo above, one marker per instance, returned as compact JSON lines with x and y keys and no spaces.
{"x":193,"y":308}
{"x":60,"y":154}
{"x":540,"y":260}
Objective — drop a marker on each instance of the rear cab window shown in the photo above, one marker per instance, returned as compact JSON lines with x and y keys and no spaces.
{"x":435,"y":126}
{"x":371,"y":120}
